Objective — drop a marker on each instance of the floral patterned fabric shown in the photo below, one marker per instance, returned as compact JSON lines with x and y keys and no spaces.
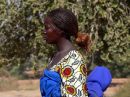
{"x":72,"y":70}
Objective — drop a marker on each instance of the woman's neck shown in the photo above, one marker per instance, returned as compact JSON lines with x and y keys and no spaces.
{"x":64,"y":45}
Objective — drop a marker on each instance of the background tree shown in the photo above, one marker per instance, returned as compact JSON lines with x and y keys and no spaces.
{"x":107,"y":21}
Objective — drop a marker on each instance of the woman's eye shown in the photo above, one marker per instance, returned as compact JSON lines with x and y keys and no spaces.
{"x":47,"y":27}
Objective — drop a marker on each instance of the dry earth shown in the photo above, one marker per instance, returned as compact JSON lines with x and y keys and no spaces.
{"x":30,"y":88}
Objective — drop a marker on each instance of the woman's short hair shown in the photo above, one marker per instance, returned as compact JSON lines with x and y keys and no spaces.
{"x":65,"y":20}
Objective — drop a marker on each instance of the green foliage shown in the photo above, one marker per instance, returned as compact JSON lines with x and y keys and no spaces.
{"x":107,"y":22}
{"x":21,"y":39}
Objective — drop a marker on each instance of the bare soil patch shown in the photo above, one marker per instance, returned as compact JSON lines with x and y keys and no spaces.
{"x":30,"y":88}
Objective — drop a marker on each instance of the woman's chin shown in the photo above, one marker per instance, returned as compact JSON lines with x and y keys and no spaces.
{"x":46,"y":40}
{"x":49,"y":42}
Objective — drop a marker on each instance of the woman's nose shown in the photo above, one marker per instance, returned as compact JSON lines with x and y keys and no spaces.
{"x":44,"y":31}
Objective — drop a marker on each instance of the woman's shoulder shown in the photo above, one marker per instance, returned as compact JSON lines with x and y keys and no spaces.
{"x":75,"y":54}
{"x":72,"y":56}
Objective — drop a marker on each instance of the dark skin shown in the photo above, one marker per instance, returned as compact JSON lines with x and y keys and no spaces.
{"x":54,"y":35}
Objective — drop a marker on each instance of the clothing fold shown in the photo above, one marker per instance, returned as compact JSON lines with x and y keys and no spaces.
{"x":97,"y":82}
{"x":50,"y":84}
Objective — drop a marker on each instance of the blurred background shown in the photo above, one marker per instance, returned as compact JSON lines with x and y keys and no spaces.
{"x":24,"y":54}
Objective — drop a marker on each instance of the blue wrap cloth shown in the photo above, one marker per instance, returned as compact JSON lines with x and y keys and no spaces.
{"x":97,"y":82}
{"x":50,"y":84}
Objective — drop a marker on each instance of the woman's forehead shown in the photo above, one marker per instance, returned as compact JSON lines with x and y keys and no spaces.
{"x":48,"y":22}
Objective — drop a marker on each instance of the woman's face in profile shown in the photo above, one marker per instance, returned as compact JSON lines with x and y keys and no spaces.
{"x":51,"y":32}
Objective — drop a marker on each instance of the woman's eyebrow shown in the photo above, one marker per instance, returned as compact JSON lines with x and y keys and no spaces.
{"x":52,"y":25}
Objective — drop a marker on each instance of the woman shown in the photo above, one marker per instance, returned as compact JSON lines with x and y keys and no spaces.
{"x":60,"y":26}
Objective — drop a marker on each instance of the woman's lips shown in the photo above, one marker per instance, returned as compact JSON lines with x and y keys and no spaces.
{"x":45,"y":37}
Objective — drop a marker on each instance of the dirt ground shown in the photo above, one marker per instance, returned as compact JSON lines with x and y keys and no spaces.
{"x":30,"y":88}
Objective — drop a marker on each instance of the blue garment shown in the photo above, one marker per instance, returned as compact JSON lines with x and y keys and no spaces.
{"x":50,"y":84}
{"x":98,"y":81}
